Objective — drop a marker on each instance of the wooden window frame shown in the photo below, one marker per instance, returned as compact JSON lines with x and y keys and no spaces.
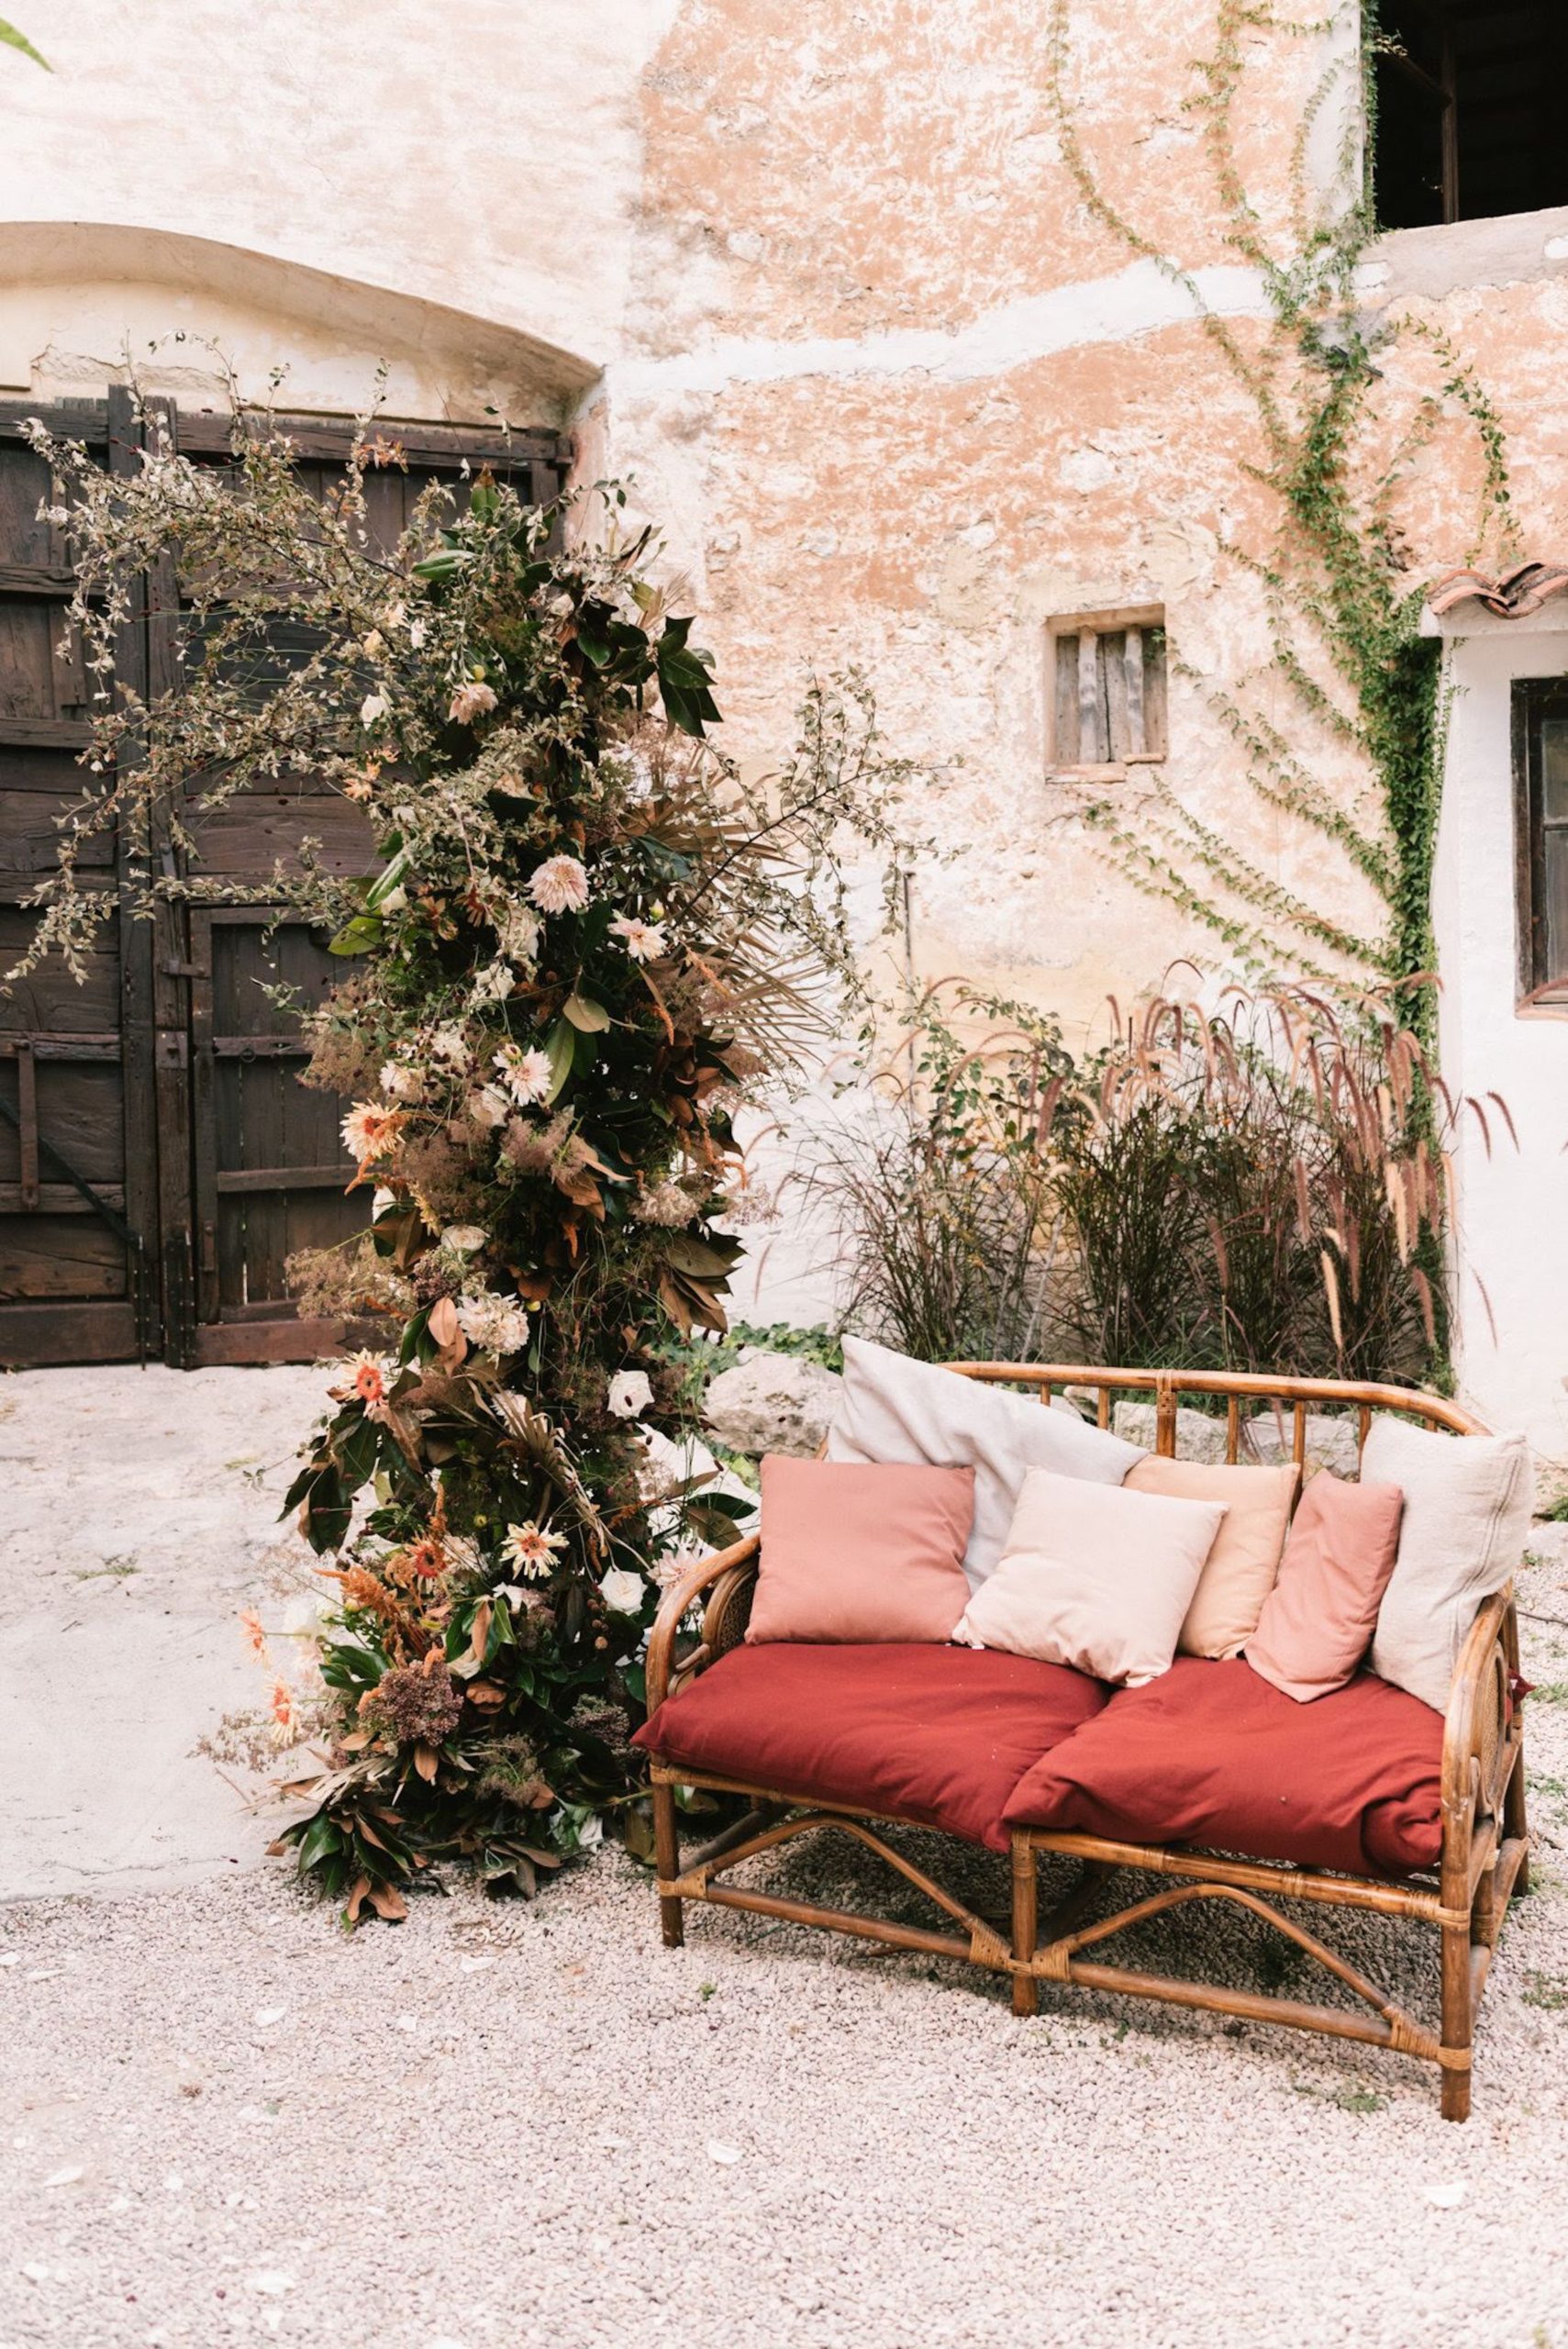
{"x":1113,"y":620}
{"x":1541,"y":990}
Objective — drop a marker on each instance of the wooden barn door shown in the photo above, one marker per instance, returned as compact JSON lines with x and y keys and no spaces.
{"x":159,"y":1160}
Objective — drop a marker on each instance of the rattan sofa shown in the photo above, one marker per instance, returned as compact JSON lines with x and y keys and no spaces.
{"x":1477,"y":1772}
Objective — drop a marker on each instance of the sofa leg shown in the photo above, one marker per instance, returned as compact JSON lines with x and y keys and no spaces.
{"x":1026,"y":1990}
{"x":667,"y":1860}
{"x":1457,"y":2019}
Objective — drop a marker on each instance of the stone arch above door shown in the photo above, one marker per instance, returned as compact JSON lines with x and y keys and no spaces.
{"x":85,"y":301}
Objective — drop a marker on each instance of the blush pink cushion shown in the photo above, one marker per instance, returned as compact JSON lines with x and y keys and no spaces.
{"x":1317,"y":1623}
{"x":861,"y":1554}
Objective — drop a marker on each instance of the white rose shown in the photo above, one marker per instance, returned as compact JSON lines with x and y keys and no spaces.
{"x":464,"y":1238}
{"x":630,"y":1394}
{"x":622,"y":1591}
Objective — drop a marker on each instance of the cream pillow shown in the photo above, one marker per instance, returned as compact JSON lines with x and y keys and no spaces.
{"x":1093,"y":1575}
{"x":894,"y":1408}
{"x":1243,"y":1565}
{"x":1467,"y":1510}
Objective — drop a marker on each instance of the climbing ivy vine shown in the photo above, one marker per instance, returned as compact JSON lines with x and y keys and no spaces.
{"x":1338,"y":435}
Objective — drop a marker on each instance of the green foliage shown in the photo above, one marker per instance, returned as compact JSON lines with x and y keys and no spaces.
{"x":1336,"y":437}
{"x":587,"y":942}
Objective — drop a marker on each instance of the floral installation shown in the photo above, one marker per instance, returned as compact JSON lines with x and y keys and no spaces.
{"x":589,"y":943}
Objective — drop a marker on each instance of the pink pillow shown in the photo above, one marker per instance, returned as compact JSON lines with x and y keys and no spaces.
{"x":861,"y":1553}
{"x":1318,"y":1620}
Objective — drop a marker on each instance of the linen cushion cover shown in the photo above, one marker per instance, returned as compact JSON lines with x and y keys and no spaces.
{"x":1211,"y":1754}
{"x":892,"y":1408}
{"x":1239,"y":1571}
{"x":1094,"y":1576}
{"x":861,"y":1552}
{"x":938,"y":1735}
{"x":1318,"y":1620}
{"x":1467,"y":1512}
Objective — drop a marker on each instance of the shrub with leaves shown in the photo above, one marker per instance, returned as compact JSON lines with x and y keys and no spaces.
{"x":587,"y":942}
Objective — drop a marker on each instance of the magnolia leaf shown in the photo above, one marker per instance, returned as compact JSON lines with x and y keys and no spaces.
{"x":585,"y":1014}
{"x":426,"y":1760}
{"x":361,"y":935}
{"x":560,"y":1046}
{"x":387,"y":1902}
{"x":710,"y":1258}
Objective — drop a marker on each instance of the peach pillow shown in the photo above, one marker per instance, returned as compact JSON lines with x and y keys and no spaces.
{"x":854,"y":1552}
{"x":1241,"y":1569}
{"x":1094,"y":1576}
{"x":1318,"y":1620}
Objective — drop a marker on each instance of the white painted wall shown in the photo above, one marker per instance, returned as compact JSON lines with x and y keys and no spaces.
{"x":1512,"y":1240}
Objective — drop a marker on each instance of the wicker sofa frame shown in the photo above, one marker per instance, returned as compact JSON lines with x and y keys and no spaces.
{"x":1483,"y":1859}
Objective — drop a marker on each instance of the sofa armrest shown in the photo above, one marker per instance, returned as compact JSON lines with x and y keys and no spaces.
{"x":728,"y":1577}
{"x":1482,"y":1785}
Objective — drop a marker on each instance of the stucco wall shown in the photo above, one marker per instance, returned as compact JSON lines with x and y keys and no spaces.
{"x":1512,"y":1229}
{"x":817,"y":276}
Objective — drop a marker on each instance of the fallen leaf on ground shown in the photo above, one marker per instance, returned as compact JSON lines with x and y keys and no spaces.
{"x":67,"y":2177}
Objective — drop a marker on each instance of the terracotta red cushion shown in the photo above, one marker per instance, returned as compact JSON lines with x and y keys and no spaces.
{"x":1209,"y":1753}
{"x":938,"y":1735}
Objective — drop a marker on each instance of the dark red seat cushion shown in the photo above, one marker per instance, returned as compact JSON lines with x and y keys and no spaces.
{"x":939,"y":1735}
{"x":1211,"y":1754}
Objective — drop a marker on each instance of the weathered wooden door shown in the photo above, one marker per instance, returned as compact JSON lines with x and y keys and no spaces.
{"x":159,"y":1158}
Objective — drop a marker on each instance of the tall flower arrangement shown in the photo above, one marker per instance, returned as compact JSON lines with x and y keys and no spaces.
{"x":586,"y":942}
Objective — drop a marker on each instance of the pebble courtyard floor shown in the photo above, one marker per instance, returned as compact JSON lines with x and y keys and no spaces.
{"x":499,"y":2124}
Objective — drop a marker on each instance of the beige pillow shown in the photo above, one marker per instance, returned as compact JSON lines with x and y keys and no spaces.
{"x":1243,"y":1565}
{"x":893,"y":1407}
{"x":1093,"y":1575}
{"x":1467,"y":1510}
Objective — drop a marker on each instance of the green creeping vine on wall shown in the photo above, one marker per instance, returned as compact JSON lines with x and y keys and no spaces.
{"x":1343,"y":614}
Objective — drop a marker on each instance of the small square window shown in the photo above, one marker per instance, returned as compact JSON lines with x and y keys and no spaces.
{"x":1107,"y":688}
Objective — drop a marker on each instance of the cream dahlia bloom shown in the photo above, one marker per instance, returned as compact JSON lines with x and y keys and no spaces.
{"x":497,"y":1325}
{"x":559,"y":885}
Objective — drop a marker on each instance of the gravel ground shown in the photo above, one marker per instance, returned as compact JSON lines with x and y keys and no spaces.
{"x":500,"y":2124}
